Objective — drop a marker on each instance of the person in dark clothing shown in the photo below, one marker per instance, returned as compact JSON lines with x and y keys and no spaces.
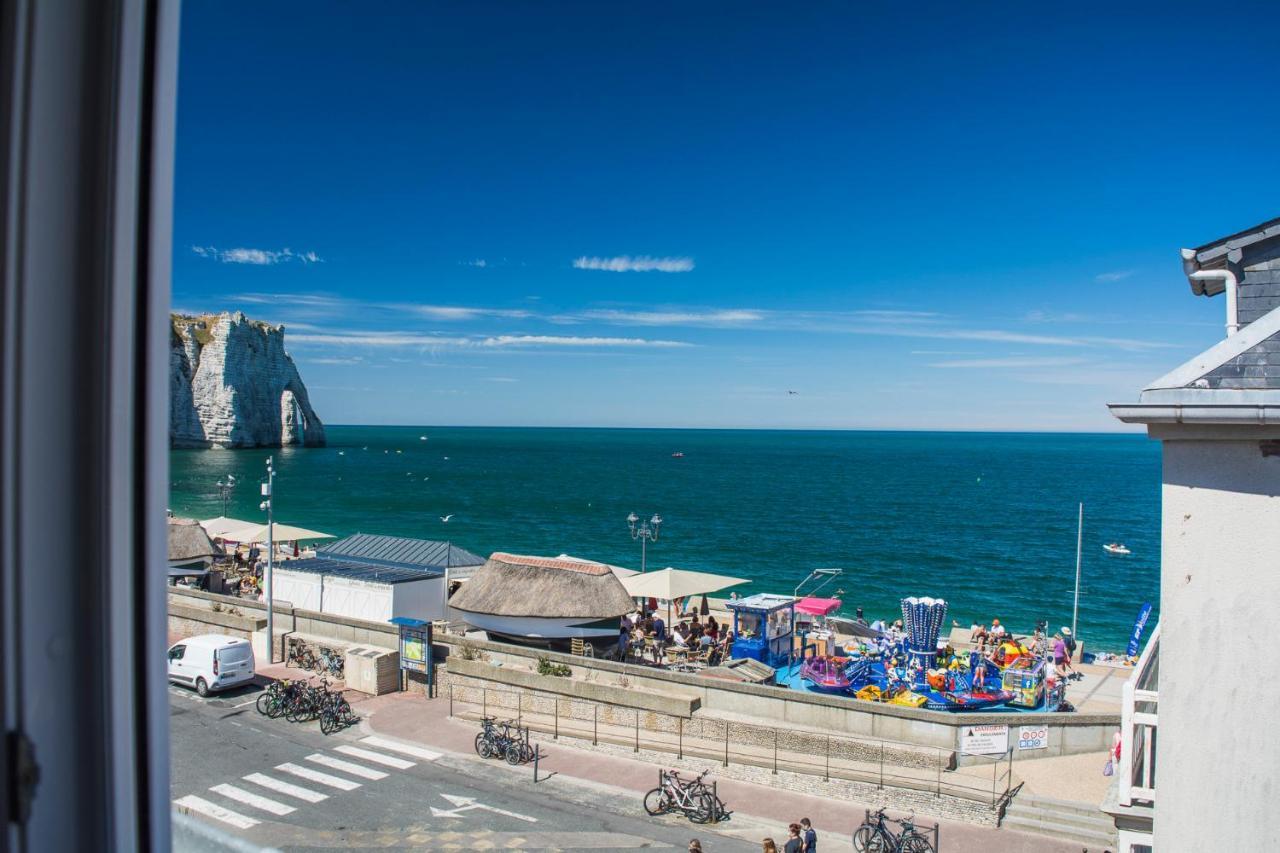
{"x":794,"y":843}
{"x":624,"y":639}
{"x":809,"y":837}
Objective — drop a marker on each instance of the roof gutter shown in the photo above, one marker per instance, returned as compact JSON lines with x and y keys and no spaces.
{"x":1192,"y":268}
{"x":1172,"y":413}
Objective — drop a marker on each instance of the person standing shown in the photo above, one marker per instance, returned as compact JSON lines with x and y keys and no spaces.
{"x":794,"y":843}
{"x":808,"y":836}
{"x":768,"y":846}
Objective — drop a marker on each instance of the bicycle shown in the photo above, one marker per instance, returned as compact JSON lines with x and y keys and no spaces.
{"x":490,"y":742}
{"x":675,"y":794}
{"x":331,"y":662}
{"x":876,"y":836}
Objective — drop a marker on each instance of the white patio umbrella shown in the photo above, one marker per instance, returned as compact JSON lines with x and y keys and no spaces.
{"x":670,"y":584}
{"x":217,"y":527}
{"x":254,"y":532}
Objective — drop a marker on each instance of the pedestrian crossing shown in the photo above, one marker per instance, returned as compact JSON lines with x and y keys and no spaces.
{"x":285,"y":781}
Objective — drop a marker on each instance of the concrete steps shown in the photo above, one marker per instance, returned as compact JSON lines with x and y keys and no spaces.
{"x":1063,"y":819}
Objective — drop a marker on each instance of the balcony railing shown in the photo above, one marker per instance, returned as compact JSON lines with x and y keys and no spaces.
{"x":1138,"y":721}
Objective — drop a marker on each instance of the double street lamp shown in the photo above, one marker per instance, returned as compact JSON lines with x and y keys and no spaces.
{"x":645,"y":531}
{"x":225,"y":488}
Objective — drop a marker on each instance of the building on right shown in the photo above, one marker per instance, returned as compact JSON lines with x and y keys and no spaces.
{"x":1200,"y":756}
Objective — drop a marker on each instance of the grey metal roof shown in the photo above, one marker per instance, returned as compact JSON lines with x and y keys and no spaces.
{"x":359,"y":570}
{"x":400,"y":551}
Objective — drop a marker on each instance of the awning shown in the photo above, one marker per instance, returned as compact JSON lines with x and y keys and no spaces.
{"x":218,"y":527}
{"x":670,"y":584}
{"x":818,"y":606}
{"x":184,"y":572}
{"x":282,"y":533}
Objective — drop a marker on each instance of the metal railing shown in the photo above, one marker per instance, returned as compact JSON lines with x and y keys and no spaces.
{"x":1136,"y":770}
{"x":878,"y":762}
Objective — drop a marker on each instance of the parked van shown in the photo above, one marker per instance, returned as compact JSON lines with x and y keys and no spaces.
{"x":211,"y":662}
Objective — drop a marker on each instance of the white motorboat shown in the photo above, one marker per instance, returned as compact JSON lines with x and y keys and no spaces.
{"x":1116,"y":548}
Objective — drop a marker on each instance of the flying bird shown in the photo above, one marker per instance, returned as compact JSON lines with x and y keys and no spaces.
{"x":445,"y":518}
{"x":792,"y":393}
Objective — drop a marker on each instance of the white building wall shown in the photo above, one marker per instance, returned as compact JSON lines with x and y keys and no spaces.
{"x":357,"y":599}
{"x":1218,"y":753}
{"x":301,"y":589}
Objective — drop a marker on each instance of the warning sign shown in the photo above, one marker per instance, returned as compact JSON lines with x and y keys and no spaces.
{"x":984,"y":740}
{"x":1033,"y":737}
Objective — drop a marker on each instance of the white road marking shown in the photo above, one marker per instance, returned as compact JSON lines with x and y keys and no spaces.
{"x":317,"y":776}
{"x":403,"y":749}
{"x":346,"y":766}
{"x":376,"y":757}
{"x":464,"y":803}
{"x":289,"y":788}
{"x":208,"y":809}
{"x":251,"y":799}
{"x":247,"y":701}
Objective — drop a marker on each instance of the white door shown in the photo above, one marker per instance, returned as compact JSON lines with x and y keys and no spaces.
{"x":177,"y":666}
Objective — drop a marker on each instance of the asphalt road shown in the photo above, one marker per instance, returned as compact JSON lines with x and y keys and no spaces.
{"x":285,"y":785}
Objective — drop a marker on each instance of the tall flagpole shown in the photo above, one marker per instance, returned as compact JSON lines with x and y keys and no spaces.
{"x":1075,"y":607}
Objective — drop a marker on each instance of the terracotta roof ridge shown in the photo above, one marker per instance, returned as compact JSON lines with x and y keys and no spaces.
{"x":586,"y":567}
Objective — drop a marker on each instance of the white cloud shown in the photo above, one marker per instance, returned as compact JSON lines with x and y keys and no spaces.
{"x":353,"y":360}
{"x":500,"y":379}
{"x":566,"y":341}
{"x":1116,"y":275}
{"x":1016,"y":361}
{"x":713,"y":318}
{"x":640,"y":263}
{"x":479,"y":263}
{"x":378,"y":339}
{"x":462,"y":312}
{"x":256,"y":257}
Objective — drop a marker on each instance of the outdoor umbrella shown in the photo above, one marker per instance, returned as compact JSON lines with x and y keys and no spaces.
{"x":279,"y":533}
{"x":670,"y":584}
{"x":218,"y":527}
{"x":703,"y":609}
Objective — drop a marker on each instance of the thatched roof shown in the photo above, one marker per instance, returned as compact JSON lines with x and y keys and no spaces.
{"x":188,"y":541}
{"x":512,"y":585}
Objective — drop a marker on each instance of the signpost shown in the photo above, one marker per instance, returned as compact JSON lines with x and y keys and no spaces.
{"x":984,"y":740}
{"x":1033,"y":737}
{"x":416,"y":650}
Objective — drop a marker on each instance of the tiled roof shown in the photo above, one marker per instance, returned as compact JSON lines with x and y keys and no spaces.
{"x":581,"y":566}
{"x":401,"y":551}
{"x":358,"y":570}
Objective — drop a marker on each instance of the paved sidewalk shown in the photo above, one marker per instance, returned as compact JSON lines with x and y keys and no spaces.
{"x":412,"y":717}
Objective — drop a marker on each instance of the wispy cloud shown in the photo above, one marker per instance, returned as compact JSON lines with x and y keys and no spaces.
{"x":693,"y":317}
{"x":1115,"y":275}
{"x":479,"y":263}
{"x":567,"y":341}
{"x":640,"y":263}
{"x":462,"y":312}
{"x":378,"y":339}
{"x":353,"y":360}
{"x":500,"y":379}
{"x":1011,"y":362}
{"x":256,"y":257}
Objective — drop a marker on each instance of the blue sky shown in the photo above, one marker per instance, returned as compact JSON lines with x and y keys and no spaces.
{"x":672,"y":214}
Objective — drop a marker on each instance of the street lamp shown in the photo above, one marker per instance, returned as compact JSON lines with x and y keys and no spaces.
{"x":644,"y":532}
{"x":225,"y":488}
{"x":267,"y":488}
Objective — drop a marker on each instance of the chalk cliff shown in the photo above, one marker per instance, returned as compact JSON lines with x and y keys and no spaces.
{"x":231,"y":384}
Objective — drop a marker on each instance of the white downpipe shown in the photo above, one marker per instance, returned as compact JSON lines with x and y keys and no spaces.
{"x":1229,"y":284}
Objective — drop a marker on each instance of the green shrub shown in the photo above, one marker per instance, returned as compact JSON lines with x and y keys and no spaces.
{"x":546,"y":667}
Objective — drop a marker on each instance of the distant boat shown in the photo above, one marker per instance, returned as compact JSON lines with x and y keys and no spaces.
{"x":422,"y":438}
{"x":677,"y":455}
{"x":1116,"y":548}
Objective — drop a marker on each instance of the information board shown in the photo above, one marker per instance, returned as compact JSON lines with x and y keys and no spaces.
{"x":984,"y":740}
{"x":1033,"y":737}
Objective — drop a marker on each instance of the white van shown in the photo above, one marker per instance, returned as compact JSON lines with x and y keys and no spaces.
{"x":211,"y":662}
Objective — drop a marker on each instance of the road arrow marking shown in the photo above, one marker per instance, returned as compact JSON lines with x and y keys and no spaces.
{"x":462,"y":804}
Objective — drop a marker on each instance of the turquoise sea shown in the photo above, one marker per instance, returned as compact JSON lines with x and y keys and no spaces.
{"x":984,"y":520}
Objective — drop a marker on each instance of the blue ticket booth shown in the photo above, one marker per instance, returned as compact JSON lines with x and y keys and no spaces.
{"x":763,"y":626}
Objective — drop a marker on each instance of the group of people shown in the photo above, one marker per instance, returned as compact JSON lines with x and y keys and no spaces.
{"x":801,"y":838}
{"x":644,"y":632}
{"x":1062,"y":647}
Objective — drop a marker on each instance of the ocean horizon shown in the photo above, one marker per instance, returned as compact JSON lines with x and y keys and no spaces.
{"x":985,"y":520}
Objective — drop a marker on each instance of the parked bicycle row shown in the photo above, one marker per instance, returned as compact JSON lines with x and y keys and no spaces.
{"x":320,"y":659}
{"x":301,"y":701}
{"x":876,"y":835}
{"x":505,"y":740}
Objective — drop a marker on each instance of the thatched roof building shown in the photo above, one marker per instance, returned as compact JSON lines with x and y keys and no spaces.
{"x":543,"y":597}
{"x":189,"y":543}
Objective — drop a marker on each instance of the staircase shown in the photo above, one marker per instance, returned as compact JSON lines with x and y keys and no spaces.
{"x":1062,"y":819}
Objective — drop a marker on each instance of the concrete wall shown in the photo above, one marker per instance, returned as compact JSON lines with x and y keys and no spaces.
{"x":1219,"y":597}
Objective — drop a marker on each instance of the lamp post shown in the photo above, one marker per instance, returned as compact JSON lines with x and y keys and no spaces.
{"x":225,"y":488}
{"x":644,"y":532}
{"x":267,"y":488}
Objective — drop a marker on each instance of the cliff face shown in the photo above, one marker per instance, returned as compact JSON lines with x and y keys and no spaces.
{"x":231,"y":384}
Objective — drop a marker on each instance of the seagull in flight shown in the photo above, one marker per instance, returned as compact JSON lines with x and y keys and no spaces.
{"x":445,"y":518}
{"x":792,"y":393}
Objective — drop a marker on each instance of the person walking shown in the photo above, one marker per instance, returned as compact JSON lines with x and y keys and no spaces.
{"x":794,"y":843}
{"x":808,"y":836}
{"x":767,"y":846}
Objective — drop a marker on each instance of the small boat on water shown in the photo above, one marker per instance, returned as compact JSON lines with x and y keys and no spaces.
{"x":825,"y":674}
{"x":677,"y":455}
{"x":1116,"y":548}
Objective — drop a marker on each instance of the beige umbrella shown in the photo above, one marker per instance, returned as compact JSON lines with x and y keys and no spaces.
{"x":278,"y":532}
{"x":670,"y":584}
{"x":218,"y":527}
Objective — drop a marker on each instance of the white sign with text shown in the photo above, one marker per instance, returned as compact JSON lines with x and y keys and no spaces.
{"x":984,"y":740}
